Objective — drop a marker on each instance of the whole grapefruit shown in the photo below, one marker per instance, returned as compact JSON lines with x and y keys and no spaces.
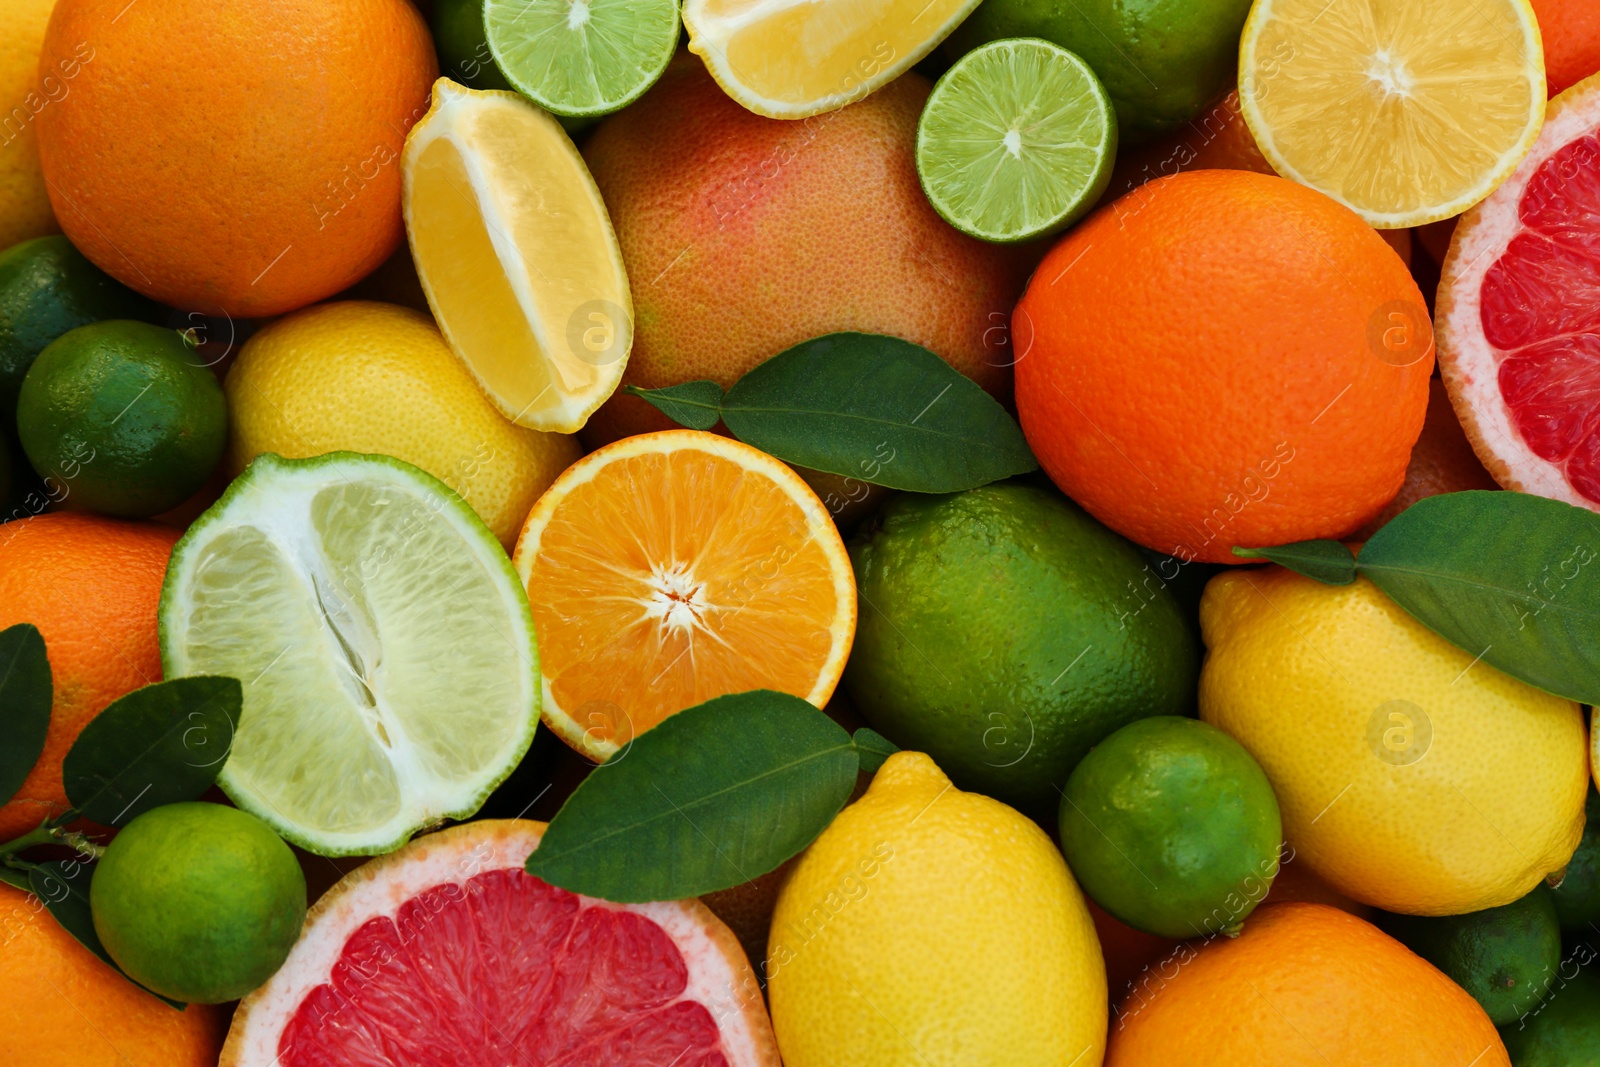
{"x":238,"y":158}
{"x":746,"y":235}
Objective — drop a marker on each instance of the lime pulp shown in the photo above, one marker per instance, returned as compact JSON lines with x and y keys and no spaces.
{"x":581,"y":57}
{"x":1016,"y":141}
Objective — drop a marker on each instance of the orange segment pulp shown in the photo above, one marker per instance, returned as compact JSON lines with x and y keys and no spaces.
{"x":671,"y":568}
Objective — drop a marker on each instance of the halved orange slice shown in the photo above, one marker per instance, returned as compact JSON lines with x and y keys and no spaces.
{"x":671,"y":568}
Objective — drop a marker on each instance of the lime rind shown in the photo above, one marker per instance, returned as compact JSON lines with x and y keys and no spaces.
{"x":1016,"y":141}
{"x":581,"y":58}
{"x":384,"y":641}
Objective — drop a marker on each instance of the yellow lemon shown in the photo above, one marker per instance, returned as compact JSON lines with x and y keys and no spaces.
{"x":367,"y":377}
{"x":928,"y":927}
{"x":24,"y":204}
{"x":1410,"y":776}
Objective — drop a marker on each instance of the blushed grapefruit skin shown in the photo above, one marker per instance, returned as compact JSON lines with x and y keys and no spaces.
{"x":1545,"y":318}
{"x":441,"y":871}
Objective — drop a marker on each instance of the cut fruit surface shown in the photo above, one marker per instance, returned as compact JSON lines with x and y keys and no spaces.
{"x":787,"y":59}
{"x":674,"y":567}
{"x":1518,"y":317}
{"x":581,"y":57}
{"x":384,"y":642}
{"x":516,"y":255}
{"x":448,"y":954}
{"x":1407,"y":113}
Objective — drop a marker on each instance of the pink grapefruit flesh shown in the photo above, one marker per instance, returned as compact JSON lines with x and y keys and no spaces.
{"x":447,"y":954}
{"x":1519,"y":313}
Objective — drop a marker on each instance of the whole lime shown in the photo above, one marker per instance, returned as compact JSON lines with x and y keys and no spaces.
{"x":1564,"y":1031}
{"x":198,"y":902}
{"x":124,"y":416}
{"x":1003,"y":631}
{"x":48,"y":287}
{"x":1505,"y":957}
{"x":1172,"y":827}
{"x":1577,"y":898}
{"x":1161,"y":61}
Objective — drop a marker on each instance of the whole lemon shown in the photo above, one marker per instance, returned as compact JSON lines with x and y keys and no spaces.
{"x":1410,"y":776}
{"x":368,"y":377}
{"x":931,"y":926}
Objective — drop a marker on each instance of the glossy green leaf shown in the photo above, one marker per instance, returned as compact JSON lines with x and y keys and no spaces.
{"x":25,"y":695}
{"x":710,"y":798}
{"x":697,"y":405}
{"x":158,"y":745}
{"x":1326,"y":561}
{"x":873,"y":748}
{"x":1511,"y":578}
{"x":63,"y":886}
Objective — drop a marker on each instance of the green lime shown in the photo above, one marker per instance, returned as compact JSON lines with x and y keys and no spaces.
{"x":124,"y":417}
{"x":1016,"y":141}
{"x":1003,"y":632}
{"x":1505,"y":957}
{"x":1577,"y":898}
{"x":582,"y":57}
{"x":463,"y":47}
{"x":1171,"y":826}
{"x":198,"y":902}
{"x":1564,"y":1030}
{"x":1162,"y":61}
{"x":48,"y":287}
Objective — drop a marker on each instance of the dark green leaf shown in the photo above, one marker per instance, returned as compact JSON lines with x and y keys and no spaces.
{"x":16,"y":877}
{"x":1512,"y":578}
{"x":710,"y":798}
{"x":873,"y":748}
{"x":157,"y":745}
{"x":1326,"y":561}
{"x":878,"y":409}
{"x":64,"y":888}
{"x":697,"y":405}
{"x":25,"y":695}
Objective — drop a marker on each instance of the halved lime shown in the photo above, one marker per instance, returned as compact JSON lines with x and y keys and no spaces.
{"x":386,"y":647}
{"x":1016,"y":141}
{"x":581,"y":57}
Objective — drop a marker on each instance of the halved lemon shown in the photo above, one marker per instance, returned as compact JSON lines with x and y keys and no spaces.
{"x":787,"y":59}
{"x":1405,"y":112}
{"x":667,"y":569}
{"x":517,"y":256}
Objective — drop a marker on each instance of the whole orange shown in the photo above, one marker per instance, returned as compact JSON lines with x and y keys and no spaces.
{"x":1305,"y":985}
{"x":239,"y":158}
{"x":1441,"y":462}
{"x":744,"y":236}
{"x":1571,"y":31}
{"x":91,"y":585}
{"x":1223,"y":358}
{"x":62,"y":1006}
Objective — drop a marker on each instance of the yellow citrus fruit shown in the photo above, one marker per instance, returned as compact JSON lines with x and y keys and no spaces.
{"x":517,"y":256}
{"x":24,"y":203}
{"x":927,"y":925}
{"x":366,"y":377}
{"x":1410,"y":776}
{"x":1371,"y":104}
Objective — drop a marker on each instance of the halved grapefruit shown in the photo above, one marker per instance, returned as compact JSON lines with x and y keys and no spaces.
{"x":448,"y":954}
{"x":674,"y":567}
{"x":1518,"y":320}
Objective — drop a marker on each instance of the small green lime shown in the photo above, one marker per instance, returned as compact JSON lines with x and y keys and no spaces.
{"x":124,"y":417}
{"x":1564,"y":1030}
{"x":198,"y":902}
{"x":1162,"y":61}
{"x":1505,"y":957}
{"x":1003,"y":631}
{"x":463,"y":47}
{"x":582,"y":59}
{"x":1016,"y":141}
{"x":1172,"y":827}
{"x":47,"y":287}
{"x":1577,"y":898}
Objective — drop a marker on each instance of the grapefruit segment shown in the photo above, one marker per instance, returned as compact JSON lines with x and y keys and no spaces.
{"x":448,"y":954}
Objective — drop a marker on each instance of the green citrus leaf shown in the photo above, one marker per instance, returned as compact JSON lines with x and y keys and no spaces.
{"x":873,"y":748}
{"x":878,"y":409}
{"x":1509,"y":577}
{"x":697,"y":405}
{"x":63,"y":886}
{"x":1326,"y":561}
{"x":25,"y":695}
{"x":710,"y":798}
{"x":157,"y":745}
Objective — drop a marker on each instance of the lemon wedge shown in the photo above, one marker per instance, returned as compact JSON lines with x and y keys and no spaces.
{"x":517,"y":256}
{"x":788,"y":59}
{"x":1407,"y":113}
